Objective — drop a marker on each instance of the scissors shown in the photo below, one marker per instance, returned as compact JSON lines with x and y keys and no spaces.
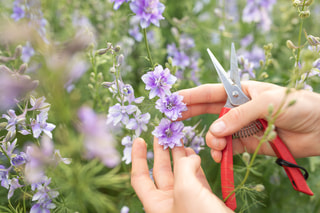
{"x":235,"y":98}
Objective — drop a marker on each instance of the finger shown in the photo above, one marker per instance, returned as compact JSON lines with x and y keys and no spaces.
{"x":162,"y":171}
{"x":140,"y":178}
{"x":239,"y":117}
{"x":203,"y":108}
{"x":185,"y":171}
{"x":215,"y":142}
{"x":178,"y":152}
{"x":216,"y":155}
{"x":200,"y":174}
{"x":206,"y":93}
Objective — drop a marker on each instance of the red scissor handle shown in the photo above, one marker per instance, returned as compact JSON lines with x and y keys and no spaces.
{"x":226,"y":170}
{"x":294,"y":174}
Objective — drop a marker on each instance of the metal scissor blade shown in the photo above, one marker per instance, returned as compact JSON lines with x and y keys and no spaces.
{"x":221,"y":72}
{"x":234,"y":71}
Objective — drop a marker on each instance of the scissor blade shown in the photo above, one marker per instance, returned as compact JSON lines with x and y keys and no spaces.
{"x":234,"y":73}
{"x":221,"y":72}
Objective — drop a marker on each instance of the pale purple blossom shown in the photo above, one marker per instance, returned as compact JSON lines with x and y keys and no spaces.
{"x":44,"y":195}
{"x":118,"y":3}
{"x":15,"y":122}
{"x":18,"y":160}
{"x":148,"y":11}
{"x":18,"y":12}
{"x":27,"y":52}
{"x":139,"y":122}
{"x":120,"y":113}
{"x":127,"y":143}
{"x":4,"y":177}
{"x":126,"y":92}
{"x":98,"y":139}
{"x":169,"y":133}
{"x":39,"y":104}
{"x":171,"y":105}
{"x":38,"y":158}
{"x":258,"y":11}
{"x":40,"y":125}
{"x":124,"y":209}
{"x":159,"y":81}
{"x":14,"y":184}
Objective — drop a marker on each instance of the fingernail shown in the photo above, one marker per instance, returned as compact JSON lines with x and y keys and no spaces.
{"x":218,"y":127}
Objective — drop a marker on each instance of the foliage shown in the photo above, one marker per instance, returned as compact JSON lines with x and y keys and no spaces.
{"x":75,"y":90}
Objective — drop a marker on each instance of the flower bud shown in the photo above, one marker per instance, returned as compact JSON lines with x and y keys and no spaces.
{"x":296,"y":3}
{"x":18,"y":51}
{"x":308,"y":3}
{"x":112,"y":70}
{"x":90,"y":86}
{"x":290,"y":45}
{"x":107,"y":84}
{"x":272,"y":135}
{"x":246,"y":157}
{"x":120,"y":59}
{"x":313,"y":41}
{"x":117,"y":48}
{"x":291,"y":103}
{"x":102,"y":51}
{"x":270,"y":109}
{"x":22,"y":68}
{"x":304,"y":14}
{"x":259,"y":188}
{"x":3,"y":125}
{"x":109,"y":45}
{"x":100,"y":77}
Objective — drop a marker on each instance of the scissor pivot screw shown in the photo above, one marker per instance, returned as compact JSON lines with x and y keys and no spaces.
{"x":235,"y":94}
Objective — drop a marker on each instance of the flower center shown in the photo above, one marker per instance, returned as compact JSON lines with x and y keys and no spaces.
{"x":169,"y":106}
{"x":168,"y":132}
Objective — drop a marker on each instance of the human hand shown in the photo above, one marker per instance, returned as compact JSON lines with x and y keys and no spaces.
{"x":298,"y":125}
{"x":184,"y":190}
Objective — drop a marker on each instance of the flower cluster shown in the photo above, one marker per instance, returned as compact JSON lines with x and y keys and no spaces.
{"x":258,"y":12}
{"x":98,"y":140}
{"x":148,"y":12}
{"x":185,"y":57}
{"x":159,"y":82}
{"x":193,"y":140}
{"x":125,"y":113}
{"x":27,"y":168}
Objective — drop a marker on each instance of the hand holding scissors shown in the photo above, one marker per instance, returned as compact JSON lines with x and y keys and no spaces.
{"x":236,"y":97}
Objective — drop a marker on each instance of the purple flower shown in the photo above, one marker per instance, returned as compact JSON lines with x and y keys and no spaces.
{"x":18,"y":12}
{"x":4,"y":177}
{"x":169,"y":133}
{"x":258,"y":12}
{"x":98,"y":139}
{"x":127,"y":142}
{"x":181,"y":59}
{"x":118,"y":3}
{"x":124,"y":209}
{"x":148,"y":11}
{"x":40,"y":158}
{"x":27,"y":52}
{"x":39,"y":104}
{"x":18,"y":160}
{"x":119,"y":113}
{"x":44,"y":195}
{"x":171,"y":106}
{"x":14,"y":184}
{"x":13,"y":121}
{"x":139,"y":123}
{"x":159,"y":81}
{"x":40,"y":124}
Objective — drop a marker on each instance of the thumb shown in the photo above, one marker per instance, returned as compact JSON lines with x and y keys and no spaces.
{"x":238,"y":117}
{"x":185,"y":171}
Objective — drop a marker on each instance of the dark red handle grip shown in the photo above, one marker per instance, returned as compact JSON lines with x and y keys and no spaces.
{"x":294,"y":174}
{"x":227,"y":179}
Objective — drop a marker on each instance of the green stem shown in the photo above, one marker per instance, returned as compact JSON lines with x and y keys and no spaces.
{"x":300,"y":35}
{"x":147,"y":46}
{"x":263,"y":140}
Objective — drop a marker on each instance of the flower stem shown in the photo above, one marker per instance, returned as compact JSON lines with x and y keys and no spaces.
{"x":300,"y":35}
{"x":147,"y":46}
